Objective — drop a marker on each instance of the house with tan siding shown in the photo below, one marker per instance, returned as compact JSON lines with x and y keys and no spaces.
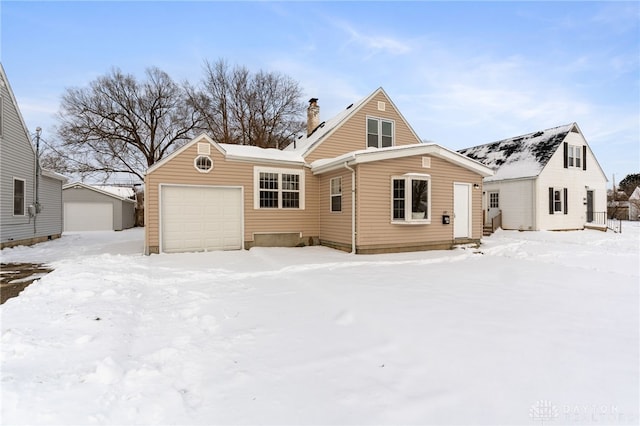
{"x":362,"y":181}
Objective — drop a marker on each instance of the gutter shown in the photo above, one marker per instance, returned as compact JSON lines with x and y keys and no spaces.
{"x":353,"y":207}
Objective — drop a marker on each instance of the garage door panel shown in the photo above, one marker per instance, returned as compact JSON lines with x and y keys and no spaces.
{"x":88,"y":217}
{"x":201,"y":218}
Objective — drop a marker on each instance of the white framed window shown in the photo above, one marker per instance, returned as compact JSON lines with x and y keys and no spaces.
{"x":276,"y":188}
{"x":379,"y":132}
{"x":575,"y":156}
{"x":411,"y":198}
{"x":336,"y":194}
{"x":18,"y":197}
{"x":203,"y":163}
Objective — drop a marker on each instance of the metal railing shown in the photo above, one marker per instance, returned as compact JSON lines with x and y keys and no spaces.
{"x":597,"y":218}
{"x":615,"y":225}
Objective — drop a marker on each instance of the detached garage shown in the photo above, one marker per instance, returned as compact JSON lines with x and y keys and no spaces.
{"x":87,"y":208}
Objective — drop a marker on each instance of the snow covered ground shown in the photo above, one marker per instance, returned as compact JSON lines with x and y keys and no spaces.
{"x":532,"y":328}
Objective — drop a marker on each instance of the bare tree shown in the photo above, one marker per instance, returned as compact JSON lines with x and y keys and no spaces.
{"x":121,"y":125}
{"x":260,"y":109}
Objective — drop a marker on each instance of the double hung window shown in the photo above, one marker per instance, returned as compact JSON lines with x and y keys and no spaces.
{"x":379,"y":133}
{"x":336,"y":194}
{"x":278,"y":188}
{"x":18,"y":197}
{"x":575,"y":156}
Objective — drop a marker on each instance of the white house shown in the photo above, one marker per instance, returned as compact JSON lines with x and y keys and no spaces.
{"x":546,"y":180}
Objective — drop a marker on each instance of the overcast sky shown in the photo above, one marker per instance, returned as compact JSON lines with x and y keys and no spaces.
{"x":462,"y":73}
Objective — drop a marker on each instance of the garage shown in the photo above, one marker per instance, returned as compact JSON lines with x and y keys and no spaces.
{"x":88,"y":216}
{"x":93,"y":208}
{"x":200,"y":218}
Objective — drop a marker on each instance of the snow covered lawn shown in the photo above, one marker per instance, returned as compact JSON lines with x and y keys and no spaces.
{"x":532,"y":328}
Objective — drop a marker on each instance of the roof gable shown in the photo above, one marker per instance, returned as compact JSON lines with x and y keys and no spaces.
{"x":237,"y":152}
{"x":522,"y":156}
{"x":305,"y":145}
{"x":99,"y":190}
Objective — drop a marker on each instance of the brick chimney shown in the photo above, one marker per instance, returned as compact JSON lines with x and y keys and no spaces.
{"x":313,"y":115}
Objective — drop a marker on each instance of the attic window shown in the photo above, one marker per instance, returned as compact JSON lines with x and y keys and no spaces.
{"x":204,"y":148}
{"x":203,"y":163}
{"x":379,"y":133}
{"x":381,"y":106}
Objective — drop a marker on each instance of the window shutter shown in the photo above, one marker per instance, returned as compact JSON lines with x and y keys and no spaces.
{"x":550,"y":200}
{"x":584,"y":157}
{"x":566,"y":155}
{"x":566,"y":207}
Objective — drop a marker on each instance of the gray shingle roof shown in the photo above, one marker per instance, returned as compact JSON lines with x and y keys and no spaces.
{"x":520,"y":156}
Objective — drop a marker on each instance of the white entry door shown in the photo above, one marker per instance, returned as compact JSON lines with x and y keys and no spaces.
{"x":200,"y":218}
{"x":493,"y":205}
{"x":461,"y":210}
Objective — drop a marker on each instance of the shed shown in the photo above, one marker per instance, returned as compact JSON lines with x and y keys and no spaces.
{"x":89,"y":208}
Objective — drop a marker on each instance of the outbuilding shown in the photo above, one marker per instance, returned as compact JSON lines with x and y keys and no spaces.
{"x":89,"y":208}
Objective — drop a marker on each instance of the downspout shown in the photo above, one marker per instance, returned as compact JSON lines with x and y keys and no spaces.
{"x":353,"y":207}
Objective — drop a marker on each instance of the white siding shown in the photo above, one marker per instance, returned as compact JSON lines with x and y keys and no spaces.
{"x":577,"y":181}
{"x":516,"y":202}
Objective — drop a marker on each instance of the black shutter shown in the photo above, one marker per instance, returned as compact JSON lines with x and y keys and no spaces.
{"x":566,"y":155}
{"x":550,"y":200}
{"x":566,"y":198}
{"x":584,"y":157}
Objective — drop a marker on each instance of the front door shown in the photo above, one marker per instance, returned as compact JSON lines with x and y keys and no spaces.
{"x":493,"y":205}
{"x":589,"y":206}
{"x":461,"y":210}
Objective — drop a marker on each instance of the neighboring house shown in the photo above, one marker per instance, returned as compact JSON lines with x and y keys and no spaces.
{"x":361,"y":182}
{"x":547,"y":180}
{"x":634,"y":204}
{"x":97,"y":208}
{"x":30,"y":197}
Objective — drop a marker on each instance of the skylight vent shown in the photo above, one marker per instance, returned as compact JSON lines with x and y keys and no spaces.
{"x":350,"y":105}
{"x":535,"y":135}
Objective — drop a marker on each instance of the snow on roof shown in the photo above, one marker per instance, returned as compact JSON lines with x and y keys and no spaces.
{"x":255,"y":152}
{"x":120,"y":191}
{"x":521,"y":156}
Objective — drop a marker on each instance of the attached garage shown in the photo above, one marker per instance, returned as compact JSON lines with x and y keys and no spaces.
{"x":87,"y":208}
{"x":200,"y":218}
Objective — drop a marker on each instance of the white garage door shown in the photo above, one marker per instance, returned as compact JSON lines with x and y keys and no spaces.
{"x":88,"y":216}
{"x":200,"y":218}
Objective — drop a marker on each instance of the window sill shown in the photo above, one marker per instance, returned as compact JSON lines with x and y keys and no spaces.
{"x":411,"y":222}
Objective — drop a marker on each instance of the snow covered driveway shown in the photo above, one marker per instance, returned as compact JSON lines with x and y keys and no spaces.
{"x":532,"y":328}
